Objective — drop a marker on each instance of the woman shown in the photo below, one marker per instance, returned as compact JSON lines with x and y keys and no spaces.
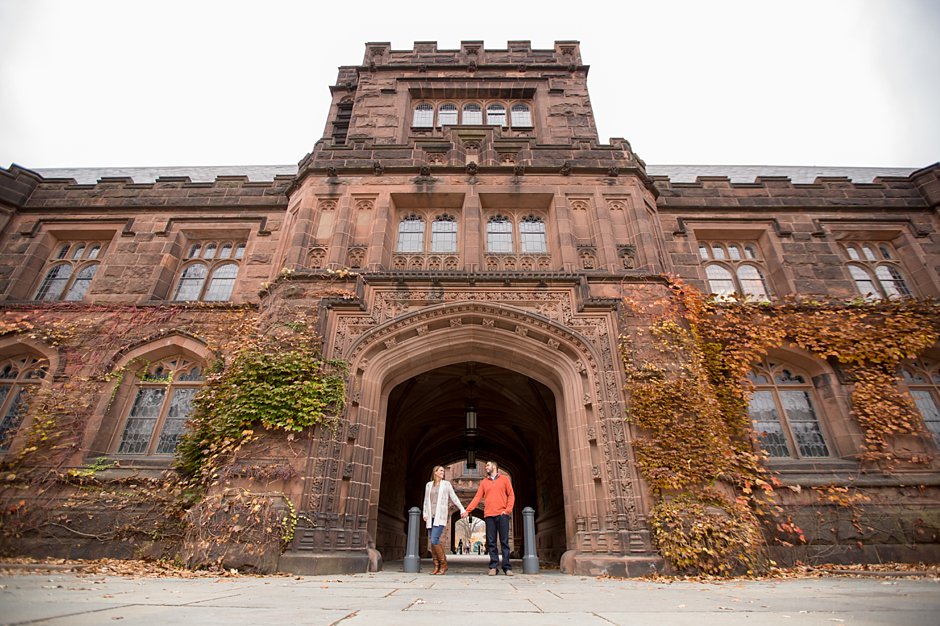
{"x":438,"y":494}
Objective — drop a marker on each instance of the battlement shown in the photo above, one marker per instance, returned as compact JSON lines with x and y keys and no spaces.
{"x":564,"y":53}
{"x":164,"y":191}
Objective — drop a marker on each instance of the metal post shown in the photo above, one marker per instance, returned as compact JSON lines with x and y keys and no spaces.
{"x":412,"y":563}
{"x":530,"y":561}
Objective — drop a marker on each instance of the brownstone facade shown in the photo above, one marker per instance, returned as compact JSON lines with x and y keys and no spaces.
{"x":489,"y":238}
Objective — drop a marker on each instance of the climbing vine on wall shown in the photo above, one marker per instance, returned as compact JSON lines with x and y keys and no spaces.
{"x":267,"y":377}
{"x":275,"y":381}
{"x":689,"y":397}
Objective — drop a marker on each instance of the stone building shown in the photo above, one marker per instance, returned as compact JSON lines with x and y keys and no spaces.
{"x":483,"y":239}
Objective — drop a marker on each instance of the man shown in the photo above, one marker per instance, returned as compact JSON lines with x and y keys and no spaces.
{"x":498,"y":498}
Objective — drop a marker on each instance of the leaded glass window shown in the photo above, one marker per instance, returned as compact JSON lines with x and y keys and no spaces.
{"x":447,"y":114}
{"x":521,"y":116}
{"x":783,"y":412}
{"x":923,"y":379}
{"x":875,"y":270}
{"x":444,"y":234}
{"x":532,"y":235}
{"x":72,"y":266}
{"x":729,"y":271}
{"x":411,"y":234}
{"x":424,"y":116}
{"x":496,"y":114}
{"x":210,"y":272}
{"x":472,"y":114}
{"x":499,"y":235}
{"x":18,"y":377}
{"x":163,"y":401}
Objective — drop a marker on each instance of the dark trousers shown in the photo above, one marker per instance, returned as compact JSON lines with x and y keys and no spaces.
{"x":498,"y":525}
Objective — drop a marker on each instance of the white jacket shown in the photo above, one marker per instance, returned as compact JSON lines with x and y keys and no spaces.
{"x":445,"y":493}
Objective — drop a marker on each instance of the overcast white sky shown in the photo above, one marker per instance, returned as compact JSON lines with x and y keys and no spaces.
{"x":99,"y":83}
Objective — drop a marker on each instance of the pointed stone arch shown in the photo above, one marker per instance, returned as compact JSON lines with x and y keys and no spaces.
{"x":604,"y":513}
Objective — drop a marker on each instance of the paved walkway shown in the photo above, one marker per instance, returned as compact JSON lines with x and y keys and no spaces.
{"x":465,"y":595}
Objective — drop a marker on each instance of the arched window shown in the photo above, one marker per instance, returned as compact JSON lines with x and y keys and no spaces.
{"x":444,"y":234}
{"x":751,"y":282}
{"x":472,"y":114}
{"x":54,"y":283}
{"x":923,"y":379}
{"x":424,"y":116}
{"x":499,"y":235}
{"x":737,"y":272}
{"x":72,"y":267}
{"x":720,"y":281}
{"x":162,"y":402}
{"x":892,"y":282}
{"x":864,"y":282}
{"x":783,"y":412}
{"x":411,"y":234}
{"x":521,"y":116}
{"x":210,"y":272}
{"x":532,"y":235}
{"x":496,"y":114}
{"x":81,"y":283}
{"x":191,"y":281}
{"x":18,"y":376}
{"x":875,"y":271}
{"x":221,"y":283}
{"x":447,"y":114}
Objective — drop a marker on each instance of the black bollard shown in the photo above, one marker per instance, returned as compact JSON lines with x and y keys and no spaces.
{"x":530,"y":561}
{"x":412,"y":563}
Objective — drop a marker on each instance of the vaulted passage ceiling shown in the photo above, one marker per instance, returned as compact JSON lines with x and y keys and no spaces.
{"x":426,"y":426}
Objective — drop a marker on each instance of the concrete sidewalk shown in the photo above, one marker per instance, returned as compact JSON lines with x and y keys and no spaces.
{"x":466,"y":594}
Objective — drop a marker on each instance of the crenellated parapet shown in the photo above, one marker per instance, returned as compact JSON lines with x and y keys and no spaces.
{"x":775,"y":192}
{"x":165,"y":192}
{"x":564,"y":54}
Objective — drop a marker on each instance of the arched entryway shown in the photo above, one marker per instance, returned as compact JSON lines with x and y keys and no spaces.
{"x":517,"y":426}
{"x":543,"y":396}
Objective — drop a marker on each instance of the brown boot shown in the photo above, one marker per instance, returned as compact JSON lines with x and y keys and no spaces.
{"x":442,"y":557}
{"x":436,"y":559}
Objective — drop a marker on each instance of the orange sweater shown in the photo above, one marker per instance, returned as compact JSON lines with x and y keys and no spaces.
{"x":497,"y":496}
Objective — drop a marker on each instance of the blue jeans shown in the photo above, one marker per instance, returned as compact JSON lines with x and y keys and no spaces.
{"x":436,"y":532}
{"x":498,"y":525}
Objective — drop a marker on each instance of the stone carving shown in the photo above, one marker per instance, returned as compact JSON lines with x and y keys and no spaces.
{"x":580,"y":205}
{"x":317,"y":257}
{"x":327,"y":205}
{"x":353,"y":432}
{"x":613,"y":171}
{"x":364,"y":205}
{"x":331,"y":172}
{"x":422,"y":330}
{"x":627,"y":256}
{"x":522,"y":331}
{"x":391,"y":342}
{"x":566,"y":169}
{"x":616,"y":205}
{"x":472,"y":168}
{"x":519,"y":169}
{"x":455,"y":322}
{"x":425,"y":171}
{"x":553,"y":343}
{"x":355,"y":258}
{"x":378,"y":168}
